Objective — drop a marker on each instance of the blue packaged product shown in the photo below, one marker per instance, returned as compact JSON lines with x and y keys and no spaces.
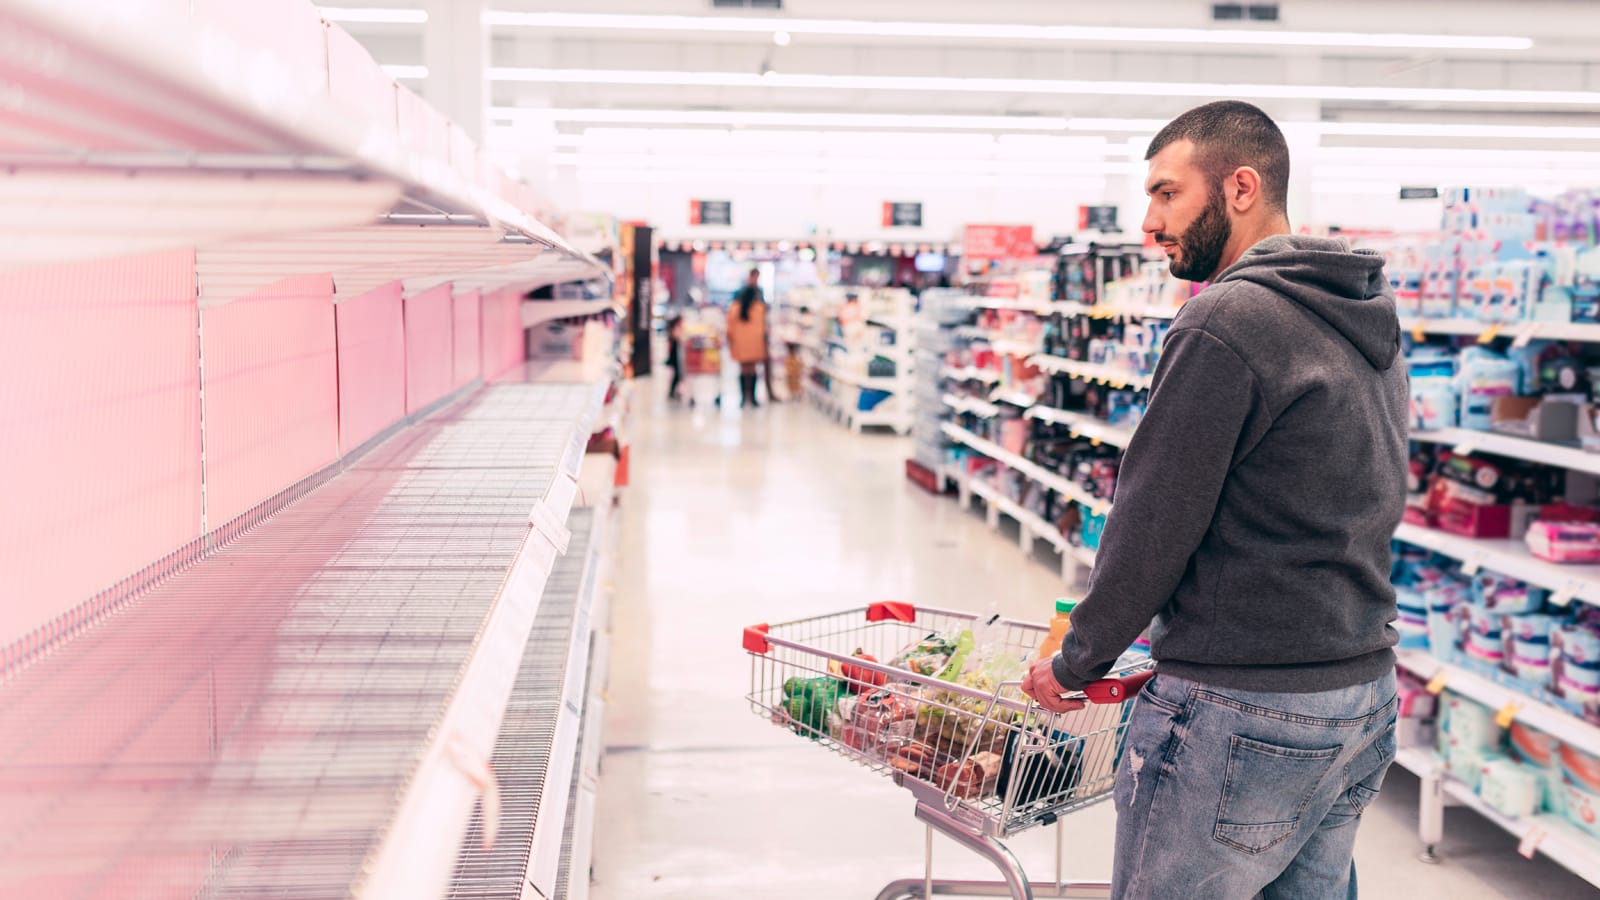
{"x":1484,"y":376}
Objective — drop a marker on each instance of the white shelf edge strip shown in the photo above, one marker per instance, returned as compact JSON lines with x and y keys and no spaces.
{"x":1049,"y":479}
{"x":1466,"y":440}
{"x":1509,"y":558}
{"x":1562,"y":842}
{"x":1084,"y":425}
{"x":412,"y":861}
{"x":1554,"y":331}
{"x":1557,"y":723}
{"x":1089,"y":371}
{"x":1029,"y":519}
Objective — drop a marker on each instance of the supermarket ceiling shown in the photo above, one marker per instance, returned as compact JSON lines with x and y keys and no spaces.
{"x":546,"y":79}
{"x":1038,"y":58}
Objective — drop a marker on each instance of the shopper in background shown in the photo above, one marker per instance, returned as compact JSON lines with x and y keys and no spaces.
{"x":1252,"y":520}
{"x":747,"y":335}
{"x":675,"y":354}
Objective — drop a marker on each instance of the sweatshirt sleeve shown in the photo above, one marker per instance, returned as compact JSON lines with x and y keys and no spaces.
{"x":1171,"y":476}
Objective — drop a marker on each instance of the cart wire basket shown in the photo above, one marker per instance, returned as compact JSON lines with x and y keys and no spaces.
{"x":983,"y":761}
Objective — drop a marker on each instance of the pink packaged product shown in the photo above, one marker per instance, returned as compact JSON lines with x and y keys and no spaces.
{"x":1565,"y":542}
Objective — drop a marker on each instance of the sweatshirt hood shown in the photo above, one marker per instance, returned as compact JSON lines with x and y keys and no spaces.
{"x":1345,"y":288}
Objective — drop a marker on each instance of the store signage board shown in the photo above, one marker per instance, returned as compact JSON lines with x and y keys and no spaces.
{"x":999,"y":242}
{"x":1097,"y":218}
{"x":1419,"y":193}
{"x":902,"y":215}
{"x":710,"y":212}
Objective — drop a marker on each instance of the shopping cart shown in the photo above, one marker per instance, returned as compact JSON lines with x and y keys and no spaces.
{"x":983,"y":761}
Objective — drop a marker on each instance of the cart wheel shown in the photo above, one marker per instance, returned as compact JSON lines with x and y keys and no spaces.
{"x":1428,"y":856}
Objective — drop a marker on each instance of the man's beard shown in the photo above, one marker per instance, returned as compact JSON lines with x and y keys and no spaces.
{"x":1200,"y":248}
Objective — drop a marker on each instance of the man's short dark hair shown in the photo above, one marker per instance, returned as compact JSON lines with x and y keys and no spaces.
{"x":1228,"y":134}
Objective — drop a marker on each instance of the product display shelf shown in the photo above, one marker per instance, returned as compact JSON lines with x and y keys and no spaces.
{"x":1510,"y":557}
{"x":346,"y":698}
{"x":242,"y":127}
{"x":970,"y":405}
{"x":1551,"y":836}
{"x":1032,"y":470}
{"x":1084,"y":425}
{"x":891,"y":383}
{"x":1090,"y":372}
{"x":971,"y":373}
{"x":1544,"y":331}
{"x":933,"y":330}
{"x":1554,"y":721}
{"x":1021,"y":399}
{"x":1467,"y":441}
{"x":1030,"y":525}
{"x":535,"y":756}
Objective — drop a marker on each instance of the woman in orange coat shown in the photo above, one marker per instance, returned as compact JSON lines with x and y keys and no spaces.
{"x":747,"y":335}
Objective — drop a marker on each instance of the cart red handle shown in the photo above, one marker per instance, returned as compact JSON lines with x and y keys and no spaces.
{"x":1117,"y":690}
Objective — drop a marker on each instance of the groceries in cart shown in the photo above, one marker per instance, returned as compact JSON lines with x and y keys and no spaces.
{"x":945,"y":710}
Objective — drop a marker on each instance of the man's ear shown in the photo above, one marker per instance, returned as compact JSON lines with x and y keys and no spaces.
{"x":1244,"y":189}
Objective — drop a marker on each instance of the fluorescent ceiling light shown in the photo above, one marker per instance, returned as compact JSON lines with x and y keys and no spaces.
{"x":944,"y":84}
{"x":987,"y":31}
{"x":374,"y":14}
{"x":713,"y":165}
{"x":785,"y":119}
{"x":839,"y":179}
{"x":1373,"y":129}
{"x":1440,"y":130}
{"x":1132,"y":126}
{"x":398,"y":71}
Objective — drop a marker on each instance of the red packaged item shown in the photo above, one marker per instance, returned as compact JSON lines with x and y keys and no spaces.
{"x":882,"y":716}
{"x":972,"y":779}
{"x":1565,"y":542}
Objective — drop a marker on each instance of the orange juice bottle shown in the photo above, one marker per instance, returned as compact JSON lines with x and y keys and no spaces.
{"x":1058,"y":628}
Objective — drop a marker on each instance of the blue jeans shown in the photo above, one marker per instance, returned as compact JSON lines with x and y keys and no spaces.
{"x":1226,"y":795}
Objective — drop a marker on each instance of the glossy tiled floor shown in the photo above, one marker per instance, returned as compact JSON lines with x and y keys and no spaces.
{"x":775,"y":514}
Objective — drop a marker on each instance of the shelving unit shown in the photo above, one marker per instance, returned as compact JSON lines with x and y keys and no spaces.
{"x":1030,"y":526}
{"x":1084,"y":425}
{"x":1551,"y":720}
{"x":1091,"y":372}
{"x":1548,"y":835}
{"x":358,"y":675}
{"x":1467,"y":441}
{"x":1510,"y":557}
{"x":1547,"y":331}
{"x":839,"y":394}
{"x":969,"y":405}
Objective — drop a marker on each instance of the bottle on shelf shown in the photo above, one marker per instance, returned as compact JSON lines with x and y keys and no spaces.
{"x":1059,"y":626}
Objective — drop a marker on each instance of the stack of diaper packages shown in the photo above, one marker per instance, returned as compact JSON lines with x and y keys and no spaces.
{"x":1574,"y":682}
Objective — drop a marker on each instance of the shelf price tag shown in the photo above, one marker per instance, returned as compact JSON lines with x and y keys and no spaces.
{"x":1437,"y":683}
{"x":1565,"y":594}
{"x":1531,"y":841}
{"x":1472,"y":564}
{"x":1419,"y":331}
{"x":1507,"y":714}
{"x":1489,"y":334}
{"x":1466,"y":447}
{"x":1526,"y":334}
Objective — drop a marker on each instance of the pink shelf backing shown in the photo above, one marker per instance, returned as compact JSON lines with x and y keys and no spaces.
{"x":468,"y":338}
{"x":271,"y":408}
{"x":372,"y":365}
{"x":429,"y":347}
{"x":100,"y":454}
{"x":504,"y":344}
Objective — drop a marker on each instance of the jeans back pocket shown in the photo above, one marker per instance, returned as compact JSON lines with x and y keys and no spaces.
{"x":1266,"y":789}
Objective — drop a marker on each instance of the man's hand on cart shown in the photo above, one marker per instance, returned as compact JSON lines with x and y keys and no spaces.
{"x":1040,"y":684}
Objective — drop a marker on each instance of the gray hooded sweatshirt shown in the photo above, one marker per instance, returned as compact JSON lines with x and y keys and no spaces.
{"x":1256,"y":501}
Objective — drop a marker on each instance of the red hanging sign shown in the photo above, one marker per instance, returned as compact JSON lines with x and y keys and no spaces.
{"x":999,"y":242}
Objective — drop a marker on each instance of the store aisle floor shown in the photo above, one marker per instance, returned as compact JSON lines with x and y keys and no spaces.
{"x":775,"y":514}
